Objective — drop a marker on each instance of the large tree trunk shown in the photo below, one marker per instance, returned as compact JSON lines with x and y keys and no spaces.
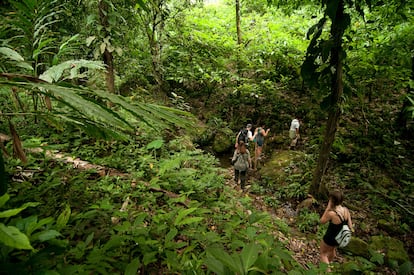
{"x":318,"y":187}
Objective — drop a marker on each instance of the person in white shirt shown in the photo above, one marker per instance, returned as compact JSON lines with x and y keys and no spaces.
{"x":294,"y":132}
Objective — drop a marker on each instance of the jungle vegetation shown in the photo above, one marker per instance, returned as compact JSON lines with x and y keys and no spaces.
{"x":117,"y":118}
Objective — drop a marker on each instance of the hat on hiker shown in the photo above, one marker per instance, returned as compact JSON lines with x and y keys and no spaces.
{"x":249,"y":126}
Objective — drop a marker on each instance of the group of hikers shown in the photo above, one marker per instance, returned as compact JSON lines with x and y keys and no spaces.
{"x":242,"y":160}
{"x":337,"y":216}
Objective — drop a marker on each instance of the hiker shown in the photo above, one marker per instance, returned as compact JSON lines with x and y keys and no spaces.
{"x":335,"y":214}
{"x":258,"y":137}
{"x":242,"y":162}
{"x":244,"y":135}
{"x":294,"y":132}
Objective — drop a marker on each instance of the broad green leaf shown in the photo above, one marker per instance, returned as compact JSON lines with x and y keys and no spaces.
{"x":89,"y":40}
{"x":190,"y":220}
{"x":406,"y":268}
{"x":156,"y":144}
{"x":89,"y":238}
{"x":11,"y":54}
{"x":40,"y":224}
{"x":102,"y":47}
{"x":55,"y":73}
{"x":249,"y":255}
{"x":226,"y":259}
{"x":114,"y":242}
{"x":171,"y":234}
{"x":4,"y":199}
{"x":183,"y":213}
{"x":63,"y":218}
{"x":149,"y":257}
{"x":13,"y":212}
{"x":132,"y":267}
{"x":11,"y":236}
{"x":47,"y":235}
{"x":16,"y":57}
{"x":214,"y":265}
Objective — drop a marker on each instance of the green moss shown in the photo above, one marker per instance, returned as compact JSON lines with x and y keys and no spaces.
{"x":222,"y":143}
{"x":393,"y":248}
{"x":281,"y":165}
{"x":357,"y":247}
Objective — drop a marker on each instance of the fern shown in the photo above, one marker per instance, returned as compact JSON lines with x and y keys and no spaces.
{"x":78,"y":106}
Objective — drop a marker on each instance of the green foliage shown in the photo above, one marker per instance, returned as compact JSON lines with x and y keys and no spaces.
{"x":307,"y":221}
{"x":220,"y":262}
{"x":167,"y":209}
{"x":32,"y":30}
{"x":410,"y":109}
{"x":11,"y":235}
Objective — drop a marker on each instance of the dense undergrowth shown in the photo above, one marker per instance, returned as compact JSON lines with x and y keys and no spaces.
{"x":166,"y":208}
{"x":173,"y":215}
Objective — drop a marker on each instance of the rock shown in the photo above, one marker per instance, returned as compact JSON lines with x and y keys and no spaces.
{"x":390,"y":228}
{"x":392,"y":248}
{"x":281,"y":165}
{"x":222,"y":143}
{"x":357,"y":247}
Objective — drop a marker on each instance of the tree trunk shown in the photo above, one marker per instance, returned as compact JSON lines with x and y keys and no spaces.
{"x":110,"y":75}
{"x":318,"y":187}
{"x":108,"y":58}
{"x":239,"y":38}
{"x":154,"y":23}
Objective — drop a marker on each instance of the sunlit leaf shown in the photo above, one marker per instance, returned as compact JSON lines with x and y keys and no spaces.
{"x":63,"y":218}
{"x":11,"y":236}
{"x":13,"y":212}
{"x":4,"y":199}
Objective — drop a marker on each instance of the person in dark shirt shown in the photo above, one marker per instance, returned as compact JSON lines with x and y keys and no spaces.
{"x":334,"y":213}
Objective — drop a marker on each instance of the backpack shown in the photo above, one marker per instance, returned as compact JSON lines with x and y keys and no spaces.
{"x":241,"y":162}
{"x":344,"y":235}
{"x":243,"y":136}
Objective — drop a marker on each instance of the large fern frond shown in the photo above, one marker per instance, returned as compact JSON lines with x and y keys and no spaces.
{"x":87,"y":108}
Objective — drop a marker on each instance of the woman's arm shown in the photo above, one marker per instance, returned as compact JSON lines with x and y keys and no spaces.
{"x":234,"y":155}
{"x":326,"y":216}
{"x":264,"y":133}
{"x":237,"y":139}
{"x":255,"y":134}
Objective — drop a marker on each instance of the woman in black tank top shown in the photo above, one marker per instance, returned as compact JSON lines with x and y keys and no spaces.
{"x":335,"y":214}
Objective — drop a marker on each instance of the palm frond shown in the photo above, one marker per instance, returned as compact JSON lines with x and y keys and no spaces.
{"x":13,"y":58}
{"x":86,"y":108}
{"x":55,"y":73}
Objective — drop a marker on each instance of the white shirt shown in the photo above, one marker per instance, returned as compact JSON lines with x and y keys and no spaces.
{"x":249,"y":135}
{"x":294,"y":125}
